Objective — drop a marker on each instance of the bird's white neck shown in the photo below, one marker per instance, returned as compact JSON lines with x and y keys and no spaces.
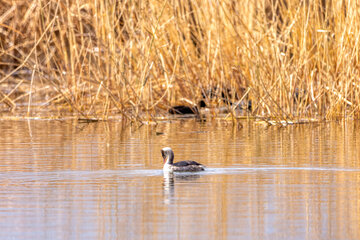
{"x":167,"y":167}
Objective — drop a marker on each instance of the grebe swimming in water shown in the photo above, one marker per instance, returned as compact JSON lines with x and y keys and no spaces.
{"x":183,"y":166}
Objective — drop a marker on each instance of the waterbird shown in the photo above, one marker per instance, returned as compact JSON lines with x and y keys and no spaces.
{"x":215,"y":93}
{"x":182,"y":166}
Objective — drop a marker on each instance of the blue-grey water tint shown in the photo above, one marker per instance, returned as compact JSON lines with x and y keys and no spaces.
{"x":69,"y":180}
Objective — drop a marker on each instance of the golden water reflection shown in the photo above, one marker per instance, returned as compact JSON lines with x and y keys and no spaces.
{"x":64,"y":180}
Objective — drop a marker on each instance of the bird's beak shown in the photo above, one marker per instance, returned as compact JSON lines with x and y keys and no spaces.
{"x":163,"y":155}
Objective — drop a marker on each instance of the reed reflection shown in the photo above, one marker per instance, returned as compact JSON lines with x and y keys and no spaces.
{"x":99,"y":179}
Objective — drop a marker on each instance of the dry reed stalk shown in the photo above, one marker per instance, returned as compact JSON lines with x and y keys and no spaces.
{"x":299,"y":58}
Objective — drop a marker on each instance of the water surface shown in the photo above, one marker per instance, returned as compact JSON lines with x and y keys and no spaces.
{"x":69,"y":180}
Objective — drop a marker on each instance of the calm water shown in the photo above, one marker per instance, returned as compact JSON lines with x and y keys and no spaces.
{"x":67,"y":180}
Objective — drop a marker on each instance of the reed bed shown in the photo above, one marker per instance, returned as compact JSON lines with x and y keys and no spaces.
{"x":136,"y":59}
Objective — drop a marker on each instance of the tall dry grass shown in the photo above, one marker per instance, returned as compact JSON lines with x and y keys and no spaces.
{"x":95,"y":59}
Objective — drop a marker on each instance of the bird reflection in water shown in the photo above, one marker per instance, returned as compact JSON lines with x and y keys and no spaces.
{"x":169,"y":184}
